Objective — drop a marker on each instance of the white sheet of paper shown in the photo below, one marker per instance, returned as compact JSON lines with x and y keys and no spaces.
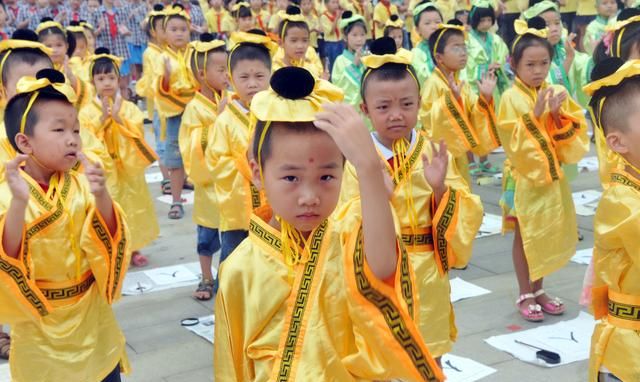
{"x":5,"y":374}
{"x":171,"y":275}
{"x":204,"y":328}
{"x":461,"y":290}
{"x":586,"y":202}
{"x":460,"y":369}
{"x":588,"y":164}
{"x":153,"y":177}
{"x":583,"y":256}
{"x":137,"y":283}
{"x":491,"y":225}
{"x":187,"y":195}
{"x":571,"y":339}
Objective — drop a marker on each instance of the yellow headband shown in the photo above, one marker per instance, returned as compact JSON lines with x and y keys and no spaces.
{"x":422,"y":7}
{"x":286,"y":19}
{"x":621,"y":27}
{"x":374,"y":61}
{"x":442,"y":28}
{"x":175,"y":11}
{"x":152,"y":15}
{"x":9,"y":45}
{"x":87,"y":25}
{"x":75,"y":29}
{"x":116,"y":62}
{"x":539,"y":8}
{"x":201,"y":47}
{"x":343,"y":23}
{"x":394,"y":24}
{"x":522,"y":28}
{"x":238,"y":38}
{"x":49,"y":24}
{"x":243,"y":4}
{"x":33,"y":85}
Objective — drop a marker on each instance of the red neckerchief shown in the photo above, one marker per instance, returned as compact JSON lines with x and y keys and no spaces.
{"x":14,"y":11}
{"x":332,"y":18}
{"x":55,"y":12}
{"x":113,"y":27}
{"x":4,"y":35}
{"x":76,"y":16}
{"x":387,"y":6}
{"x":219,"y":20}
{"x":259,"y":18}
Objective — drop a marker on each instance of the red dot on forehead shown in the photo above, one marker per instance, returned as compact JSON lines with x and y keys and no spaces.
{"x":311,"y":160}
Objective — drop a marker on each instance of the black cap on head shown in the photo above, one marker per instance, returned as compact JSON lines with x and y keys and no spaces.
{"x":24,"y":34}
{"x":178,"y":5}
{"x":292,"y":82}
{"x":628,"y":13}
{"x":74,"y":23}
{"x":346,"y":14}
{"x":54,"y":76}
{"x":45,"y":19}
{"x":158,"y":7}
{"x":394,"y":18}
{"x":606,"y":68}
{"x":382,"y":46}
{"x":293,"y":10}
{"x":102,"y":51}
{"x":257,"y":31}
{"x":455,"y":22}
{"x":206,"y":37}
{"x":536,"y":22}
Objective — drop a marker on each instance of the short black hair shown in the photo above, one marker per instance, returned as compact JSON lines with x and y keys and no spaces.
{"x":630,"y":38}
{"x":197,"y":58}
{"x":478,"y":13}
{"x":265,"y":150}
{"x":416,"y":18}
{"x":443,"y":35}
{"x":528,"y":40}
{"x":77,"y":35}
{"x":386,"y":72}
{"x":242,"y":12}
{"x":250,"y":52}
{"x":349,"y":27}
{"x":22,"y":56}
{"x":286,"y":25}
{"x":54,"y":30}
{"x":152,"y":22}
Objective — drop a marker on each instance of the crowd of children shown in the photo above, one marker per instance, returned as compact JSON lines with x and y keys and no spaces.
{"x":331,"y":146}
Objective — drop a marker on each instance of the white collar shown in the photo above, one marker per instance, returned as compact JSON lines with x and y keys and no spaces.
{"x":388,"y":154}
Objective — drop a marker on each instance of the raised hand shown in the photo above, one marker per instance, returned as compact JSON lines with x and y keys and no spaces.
{"x":95,"y":176}
{"x":106,"y":109}
{"x":117,"y":106}
{"x":343,"y":123}
{"x":456,"y":88}
{"x":17,"y":185}
{"x":555,"y":102}
{"x":487,"y":84}
{"x":435,"y":171}
{"x":541,"y":102}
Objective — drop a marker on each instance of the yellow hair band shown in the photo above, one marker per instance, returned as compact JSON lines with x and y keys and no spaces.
{"x":117,"y":61}
{"x":394,"y":24}
{"x":374,"y":61}
{"x":175,"y":11}
{"x":30,"y":84}
{"x":10,"y":45}
{"x":49,"y":24}
{"x":442,"y":28}
{"x":522,"y":28}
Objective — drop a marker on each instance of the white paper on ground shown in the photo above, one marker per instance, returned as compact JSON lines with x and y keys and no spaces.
{"x":499,"y":150}
{"x":155,"y":280}
{"x":204,"y":328}
{"x":153,"y":177}
{"x":461,"y":290}
{"x":571,"y":339}
{"x":586,"y":202}
{"x":5,"y":374}
{"x":583,"y":256}
{"x":491,"y":225}
{"x":460,"y":369}
{"x":187,"y":195}
{"x":588,"y":164}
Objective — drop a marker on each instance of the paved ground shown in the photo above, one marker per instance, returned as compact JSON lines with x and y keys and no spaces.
{"x":160,"y":350}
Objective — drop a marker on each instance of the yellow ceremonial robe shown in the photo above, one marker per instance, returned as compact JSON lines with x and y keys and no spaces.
{"x":227,"y":162}
{"x":465,"y":125}
{"x":328,"y":319}
{"x":131,"y":156}
{"x":536,"y":149}
{"x":145,"y":84}
{"x":172,"y":101}
{"x":58,"y":303}
{"x":196,"y":133}
{"x":311,"y":62}
{"x":616,"y":290}
{"x":441,"y":237}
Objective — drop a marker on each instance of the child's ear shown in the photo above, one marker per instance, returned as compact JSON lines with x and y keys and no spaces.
{"x":22,"y":141}
{"x":255,"y":174}
{"x":364,"y":109}
{"x":617,"y":142}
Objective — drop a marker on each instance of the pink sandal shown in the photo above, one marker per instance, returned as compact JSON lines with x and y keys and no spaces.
{"x":532,"y":313}
{"x":554,"y":306}
{"x":138,"y":259}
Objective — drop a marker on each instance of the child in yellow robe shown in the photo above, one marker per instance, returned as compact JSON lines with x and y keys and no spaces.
{"x":119,"y":124}
{"x":226,"y":156}
{"x":53,"y":35}
{"x":295,"y":49}
{"x":260,"y":15}
{"x":381,"y":13}
{"x":64,"y":249}
{"x":208,"y":63}
{"x":430,"y":198}
{"x":616,"y":290}
{"x":80,"y":60}
{"x":306,"y":6}
{"x":333,"y":44}
{"x":540,"y":128}
{"x":218,"y":19}
{"x":450,"y":109}
{"x":426,"y":18}
{"x":394,"y":28}
{"x":242,"y":16}
{"x":174,"y":89}
{"x":336,"y":286}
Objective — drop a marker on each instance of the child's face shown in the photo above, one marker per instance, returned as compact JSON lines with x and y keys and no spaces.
{"x":302,"y":177}
{"x":533,"y":67}
{"x":177,"y":32}
{"x":250,"y":77}
{"x":485,"y":24}
{"x":356,"y":38}
{"x":81,"y":47}
{"x":463,"y":17}
{"x":215,"y":4}
{"x":16,"y":72}
{"x":296,"y":42}
{"x":55,"y":142}
{"x":93,"y":4}
{"x":282,"y":4}
{"x":216,"y":73}
{"x":255,"y":4}
{"x":397,"y":35}
{"x":306,"y":6}
{"x":58,"y":45}
{"x":245,"y":23}
{"x":91,"y":40}
{"x":332,"y":6}
{"x":428,"y":23}
{"x":554,"y":23}
{"x":607,"y":8}
{"x":75,"y":4}
{"x":392,"y":107}
{"x":43,"y":3}
{"x":106,"y":84}
{"x":454,"y":56}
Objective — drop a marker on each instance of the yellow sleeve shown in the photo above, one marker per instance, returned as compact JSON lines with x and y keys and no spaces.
{"x":228,"y":349}
{"x":171,"y":102}
{"x":108,"y":254}
{"x":483,"y":120}
{"x":571,"y":141}
{"x":526,"y":141}
{"x":136,"y":155}
{"x":193,"y":141}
